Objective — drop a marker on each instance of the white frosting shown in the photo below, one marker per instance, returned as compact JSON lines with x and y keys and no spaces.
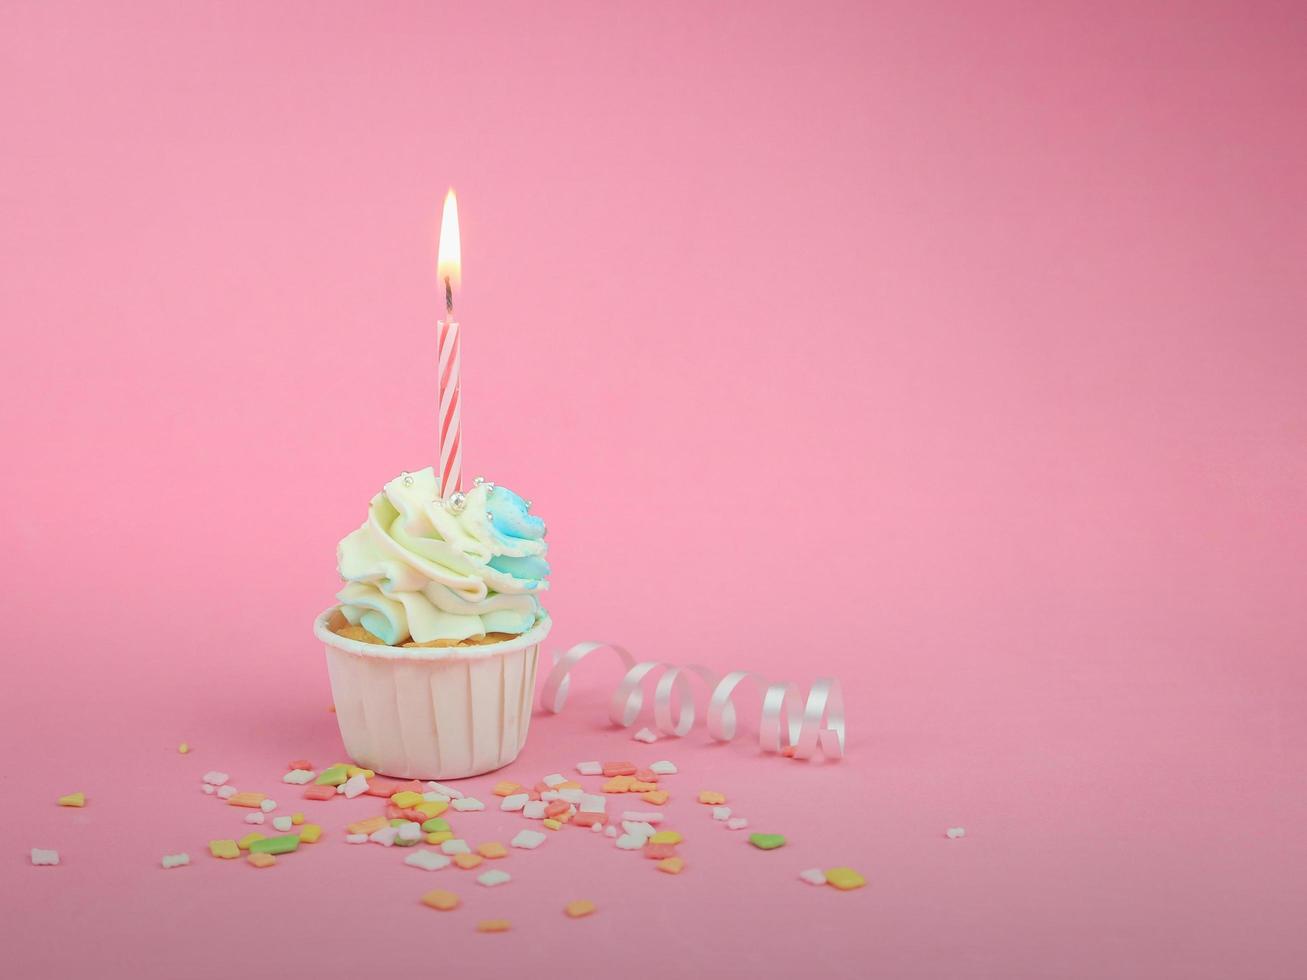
{"x":417,"y":570}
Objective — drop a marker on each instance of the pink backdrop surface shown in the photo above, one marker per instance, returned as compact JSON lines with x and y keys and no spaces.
{"x":956,"y":350}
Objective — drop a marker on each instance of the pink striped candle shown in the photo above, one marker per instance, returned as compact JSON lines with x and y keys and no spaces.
{"x":449,"y":268}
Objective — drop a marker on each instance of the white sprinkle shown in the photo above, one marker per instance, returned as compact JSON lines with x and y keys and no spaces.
{"x":590,"y":768}
{"x":813,"y":876}
{"x":41,"y":856}
{"x":572,"y":795}
{"x":267,"y":806}
{"x":594,"y":803}
{"x":549,"y":795}
{"x":721,"y":813}
{"x":663,"y":768}
{"x":356,"y":785}
{"x":648,"y":816}
{"x":638,"y":828}
{"x":514,"y":802}
{"x":254,"y":818}
{"x":441,"y":788}
{"x":283,"y":824}
{"x":553,"y":779}
{"x":226,"y":792}
{"x":385,"y":836}
{"x":610,"y":831}
{"x":176,"y":860}
{"x":467,"y":803}
{"x":208,"y":789}
{"x":427,"y":860}
{"x":298,"y":777}
{"x":435,"y":798}
{"x":736,"y":823}
{"x":356,"y":838}
{"x":645,"y":735}
{"x":529,"y":839}
{"x":215,"y":778}
{"x":340,"y":789}
{"x":534,"y":809}
{"x":631,"y":842}
{"x":409,"y":832}
{"x":494,"y":877}
{"x":955,"y":832}
{"x":455,"y":846}
{"x":597,"y":828}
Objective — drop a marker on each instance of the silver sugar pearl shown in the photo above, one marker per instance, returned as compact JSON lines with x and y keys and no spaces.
{"x":478,"y":481}
{"x":407,"y":480}
{"x":456,"y":502}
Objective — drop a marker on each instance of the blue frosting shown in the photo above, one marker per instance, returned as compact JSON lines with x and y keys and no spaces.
{"x":530,"y":568}
{"x":509,"y":516}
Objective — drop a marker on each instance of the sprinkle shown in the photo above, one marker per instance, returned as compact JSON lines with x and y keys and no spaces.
{"x":711,"y":798}
{"x":207,"y":788}
{"x":955,"y":832}
{"x":672,"y":865}
{"x":455,"y":846}
{"x":41,"y":856}
{"x":514,"y":802}
{"x":176,"y":860}
{"x":183,"y":748}
{"x":721,"y":813}
{"x":645,"y":816}
{"x":226,"y":792}
{"x":352,"y":771}
{"x":505,"y":788}
{"x":590,"y":768}
{"x":574,"y":796}
{"x":384,"y":787}
{"x":439,"y":836}
{"x":494,"y":850}
{"x":618,"y":784}
{"x":280,"y":823}
{"x":297,"y":818}
{"x":645,"y":735}
{"x":73,"y":799}
{"x":427,"y":860}
{"x":254,"y":817}
{"x":299,"y":764}
{"x":298,"y":777}
{"x":356,"y":838}
{"x":356,"y":785}
{"x":225,"y":849}
{"x":408,"y":834}
{"x":551,"y":824}
{"x":450,"y":791}
{"x":845,"y":879}
{"x":493,"y":925}
{"x":596,"y":828}
{"x":254,"y":800}
{"x":367,"y":825}
{"x":766,"y":842}
{"x":663,"y":768}
{"x":319,"y":793}
{"x":579,"y":908}
{"x":267,"y":806}
{"x":440,"y":899}
{"x":385,"y":836}
{"x":275,"y":845}
{"x":406,"y":799}
{"x":534,"y":809}
{"x":666,"y":837}
{"x":528,"y":839}
{"x":610,"y":831}
{"x":215,"y":778}
{"x":261,"y":860}
{"x":813,"y":876}
{"x":468,"y":861}
{"x":435,"y":798}
{"x":333,"y":776}
{"x":467,"y":803}
{"x":557,"y":808}
{"x":657,"y":797}
{"x":611,"y":769}
{"x":736,"y":823}
{"x":493,"y":877}
{"x":310,"y":833}
{"x":245,"y":842}
{"x":554,"y":779}
{"x":631,"y":842}
{"x":589,"y":820}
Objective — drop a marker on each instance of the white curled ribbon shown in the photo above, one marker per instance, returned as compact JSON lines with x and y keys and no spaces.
{"x":787,"y":719}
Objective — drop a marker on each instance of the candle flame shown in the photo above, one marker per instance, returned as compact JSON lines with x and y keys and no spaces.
{"x":449,"y":260}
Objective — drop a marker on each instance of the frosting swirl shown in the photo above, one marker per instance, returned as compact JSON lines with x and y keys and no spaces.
{"x":418,"y":570}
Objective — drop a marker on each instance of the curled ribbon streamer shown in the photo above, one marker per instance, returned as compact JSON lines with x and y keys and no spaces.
{"x":787,"y":718}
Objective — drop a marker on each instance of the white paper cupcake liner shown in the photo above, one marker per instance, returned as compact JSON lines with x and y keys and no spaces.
{"x":432,"y":712}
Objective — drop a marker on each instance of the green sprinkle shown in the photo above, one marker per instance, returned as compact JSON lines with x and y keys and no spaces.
{"x":767,"y":842}
{"x":436,"y":825}
{"x":334,"y":776}
{"x":275,"y":845}
{"x":399,"y":822}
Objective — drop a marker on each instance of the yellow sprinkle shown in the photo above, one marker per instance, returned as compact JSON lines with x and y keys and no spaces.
{"x":494,"y":925}
{"x":309,"y":833}
{"x":261,"y":860}
{"x":673,"y":865}
{"x":352,"y":771}
{"x":582,"y":906}
{"x":297,"y":818}
{"x":439,"y":836}
{"x":73,"y":799}
{"x":711,"y":798}
{"x":432,"y":809}
{"x":845,"y":879}
{"x":406,"y":799}
{"x":245,"y":842}
{"x":224,"y":849}
{"x":183,"y":748}
{"x":666,"y":837}
{"x":551,"y":823}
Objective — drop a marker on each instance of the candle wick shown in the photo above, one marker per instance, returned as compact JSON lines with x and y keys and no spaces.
{"x":449,"y":299}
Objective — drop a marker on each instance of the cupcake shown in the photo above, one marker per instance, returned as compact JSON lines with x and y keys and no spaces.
{"x":432,"y":651}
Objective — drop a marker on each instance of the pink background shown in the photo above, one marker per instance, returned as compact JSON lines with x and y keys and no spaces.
{"x":956,"y":350}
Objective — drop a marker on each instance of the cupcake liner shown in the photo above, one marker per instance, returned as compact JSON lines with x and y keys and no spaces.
{"x":431,"y":712}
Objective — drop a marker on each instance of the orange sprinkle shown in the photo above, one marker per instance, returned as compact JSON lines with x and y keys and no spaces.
{"x":261,"y":860}
{"x":494,"y":925}
{"x":657,"y":797}
{"x":506,"y":788}
{"x":468,"y":861}
{"x":492,"y":850}
{"x":368,"y":826}
{"x":579,"y":908}
{"x":440,"y":899}
{"x":711,"y":798}
{"x":247,"y":799}
{"x":672,"y":865}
